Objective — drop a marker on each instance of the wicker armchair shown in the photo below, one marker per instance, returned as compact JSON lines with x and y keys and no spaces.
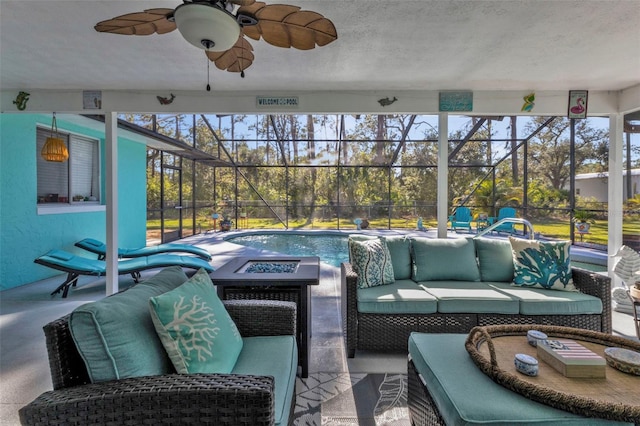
{"x":220,"y":399}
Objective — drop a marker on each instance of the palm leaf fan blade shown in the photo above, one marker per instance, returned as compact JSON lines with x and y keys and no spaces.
{"x":325,"y":31}
{"x":275,"y":33}
{"x":238,"y":58}
{"x":139,"y":23}
{"x":307,"y":24}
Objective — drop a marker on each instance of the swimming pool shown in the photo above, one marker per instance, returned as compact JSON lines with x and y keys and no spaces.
{"x":333,"y":248}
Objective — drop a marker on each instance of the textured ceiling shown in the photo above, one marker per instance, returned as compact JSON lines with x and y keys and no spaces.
{"x":382,"y":44}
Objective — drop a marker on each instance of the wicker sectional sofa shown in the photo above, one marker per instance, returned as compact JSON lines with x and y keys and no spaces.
{"x":381,"y":318}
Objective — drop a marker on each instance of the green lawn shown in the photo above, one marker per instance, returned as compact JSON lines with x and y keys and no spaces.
{"x":549,"y":228}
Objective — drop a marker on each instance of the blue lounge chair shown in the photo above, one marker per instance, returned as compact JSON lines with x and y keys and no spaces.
{"x":100,"y":248}
{"x":504,"y":213}
{"x":75,"y":266}
{"x":461,"y":218}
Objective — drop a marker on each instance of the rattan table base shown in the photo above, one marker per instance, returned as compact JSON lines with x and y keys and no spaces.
{"x":616,"y":397}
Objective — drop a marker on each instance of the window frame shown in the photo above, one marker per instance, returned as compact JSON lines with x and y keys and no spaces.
{"x":69,"y":206}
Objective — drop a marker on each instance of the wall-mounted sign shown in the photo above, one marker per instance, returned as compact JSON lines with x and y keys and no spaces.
{"x":92,"y":99}
{"x":578,"y":103}
{"x":277,"y":101}
{"x":456,"y":101}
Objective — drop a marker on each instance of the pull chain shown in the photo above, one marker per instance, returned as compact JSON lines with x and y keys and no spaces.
{"x":208,"y":73}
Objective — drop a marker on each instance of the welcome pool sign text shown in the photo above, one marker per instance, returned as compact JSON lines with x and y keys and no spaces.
{"x":277,"y":101}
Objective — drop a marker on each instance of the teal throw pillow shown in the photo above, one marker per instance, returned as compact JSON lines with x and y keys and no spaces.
{"x":442,"y":259}
{"x":400,"y":249}
{"x":372,"y":262}
{"x":115,"y":335}
{"x":542,"y":264}
{"x":195,"y":328}
{"x":494,"y":259}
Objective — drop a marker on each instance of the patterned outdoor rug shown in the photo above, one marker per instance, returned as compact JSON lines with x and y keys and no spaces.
{"x":352,"y":399}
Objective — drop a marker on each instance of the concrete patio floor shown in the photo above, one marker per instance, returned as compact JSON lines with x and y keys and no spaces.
{"x":24,"y":369}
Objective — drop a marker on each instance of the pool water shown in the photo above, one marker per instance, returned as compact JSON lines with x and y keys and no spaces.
{"x":331,"y":249}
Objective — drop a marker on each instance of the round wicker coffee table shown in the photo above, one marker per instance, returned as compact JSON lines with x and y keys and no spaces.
{"x":616,"y":397}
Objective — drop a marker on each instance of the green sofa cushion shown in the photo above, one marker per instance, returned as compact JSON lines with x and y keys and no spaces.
{"x":275,"y":356}
{"x":437,"y":259}
{"x":470,"y":297}
{"x":115,"y":335}
{"x":401,"y":297}
{"x":195,"y":327}
{"x":495,"y":259}
{"x":466,"y":396}
{"x":538,"y":301}
{"x":400,"y":250}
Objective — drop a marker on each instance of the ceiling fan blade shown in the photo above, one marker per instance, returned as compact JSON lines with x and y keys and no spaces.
{"x":242,"y":2}
{"x":139,"y":23}
{"x":286,"y":26}
{"x":237,"y":59}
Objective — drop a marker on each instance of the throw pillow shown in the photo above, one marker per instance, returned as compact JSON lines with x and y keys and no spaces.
{"x":542,"y":264}
{"x":442,"y":259}
{"x":195,"y":328}
{"x":372,"y":262}
{"x":115,"y":335}
{"x":400,"y":249}
{"x":495,"y":259}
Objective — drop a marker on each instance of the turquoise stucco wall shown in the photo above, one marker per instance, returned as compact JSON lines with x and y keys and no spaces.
{"x":25,"y":235}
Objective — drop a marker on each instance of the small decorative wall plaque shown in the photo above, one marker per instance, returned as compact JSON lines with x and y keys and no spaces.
{"x":529,"y":102}
{"x":92,"y":99}
{"x":456,"y":101}
{"x":578,"y":103}
{"x":276,"y":101}
{"x":386,"y":101}
{"x":21,"y":100}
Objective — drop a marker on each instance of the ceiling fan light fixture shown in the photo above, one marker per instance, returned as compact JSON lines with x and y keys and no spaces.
{"x":207,"y":26}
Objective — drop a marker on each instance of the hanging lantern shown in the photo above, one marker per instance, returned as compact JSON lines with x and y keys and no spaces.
{"x":54,"y":148}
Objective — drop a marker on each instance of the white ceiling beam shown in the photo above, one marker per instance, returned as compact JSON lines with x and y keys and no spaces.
{"x":601,"y":103}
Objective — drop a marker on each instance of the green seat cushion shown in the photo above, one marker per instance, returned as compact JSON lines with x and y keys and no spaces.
{"x":115,"y":336}
{"x":195,"y":327}
{"x":466,"y":396}
{"x":538,"y":301}
{"x":471,"y":297}
{"x":401,"y":297}
{"x":437,"y":259}
{"x":495,"y":259}
{"x":400,"y":250}
{"x":275,"y":356}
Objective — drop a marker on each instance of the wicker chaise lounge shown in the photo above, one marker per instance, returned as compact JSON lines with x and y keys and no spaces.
{"x":216,"y":399}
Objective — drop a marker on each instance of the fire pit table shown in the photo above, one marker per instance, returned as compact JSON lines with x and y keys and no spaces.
{"x":285,"y":278}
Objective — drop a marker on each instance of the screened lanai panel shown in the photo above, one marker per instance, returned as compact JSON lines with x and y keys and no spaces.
{"x":414,"y":191}
{"x":367,"y":152}
{"x":418,"y":152}
{"x":363,"y":194}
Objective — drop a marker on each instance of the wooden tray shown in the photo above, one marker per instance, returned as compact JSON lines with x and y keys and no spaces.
{"x":616,"y":397}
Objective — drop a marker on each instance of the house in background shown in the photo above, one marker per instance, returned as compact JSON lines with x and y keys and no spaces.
{"x":595,"y":185}
{"x":37,"y":207}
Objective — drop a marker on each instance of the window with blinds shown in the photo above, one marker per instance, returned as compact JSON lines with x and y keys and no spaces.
{"x":75,"y":180}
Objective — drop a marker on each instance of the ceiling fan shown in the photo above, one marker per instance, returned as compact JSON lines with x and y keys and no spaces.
{"x":220,"y":26}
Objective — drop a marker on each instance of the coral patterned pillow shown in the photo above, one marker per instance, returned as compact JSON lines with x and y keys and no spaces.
{"x":542,"y":264}
{"x":195,"y":328}
{"x":372,"y":262}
